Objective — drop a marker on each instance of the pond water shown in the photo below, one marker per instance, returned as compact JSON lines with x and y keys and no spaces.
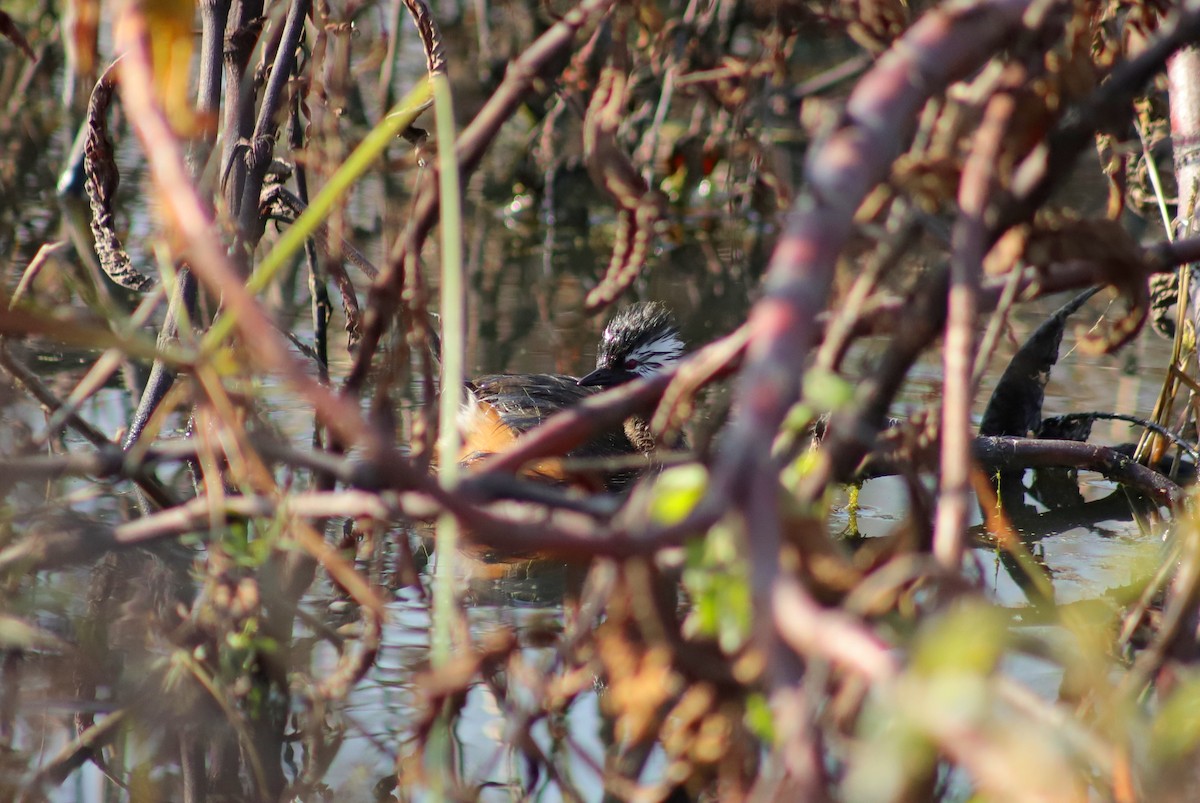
{"x":527,"y":283}
{"x":525,"y":322}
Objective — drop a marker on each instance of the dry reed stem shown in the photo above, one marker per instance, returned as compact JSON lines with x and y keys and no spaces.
{"x":969,"y":244}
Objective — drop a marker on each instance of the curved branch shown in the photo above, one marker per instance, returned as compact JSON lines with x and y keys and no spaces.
{"x":1015,"y":453}
{"x":1001,"y":453}
{"x":943,"y":46}
{"x":969,"y":243}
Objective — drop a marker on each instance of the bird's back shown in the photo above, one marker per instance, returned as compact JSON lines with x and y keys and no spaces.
{"x":502,"y":407}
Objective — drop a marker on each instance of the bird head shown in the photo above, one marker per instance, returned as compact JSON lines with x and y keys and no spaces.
{"x":639,"y":341}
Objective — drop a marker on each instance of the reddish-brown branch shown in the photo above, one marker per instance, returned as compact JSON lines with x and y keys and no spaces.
{"x":886,"y":315}
{"x":944,"y":45}
{"x":880,"y":114}
{"x":193,"y":220}
{"x":997,"y":453}
{"x":1009,"y":453}
{"x":969,"y":241}
{"x":830,"y":634}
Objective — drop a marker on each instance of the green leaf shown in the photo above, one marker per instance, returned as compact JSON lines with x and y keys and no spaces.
{"x":677,"y":492}
{"x":1176,"y":729}
{"x":716,"y":577}
{"x":759,"y":719}
{"x":826,"y":391}
{"x":970,"y":638}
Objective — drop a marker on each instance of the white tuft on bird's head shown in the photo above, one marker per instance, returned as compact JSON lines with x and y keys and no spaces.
{"x":639,"y":341}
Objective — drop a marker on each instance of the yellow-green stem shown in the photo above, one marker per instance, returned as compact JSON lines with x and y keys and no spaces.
{"x":439,"y":751}
{"x":452,"y":365}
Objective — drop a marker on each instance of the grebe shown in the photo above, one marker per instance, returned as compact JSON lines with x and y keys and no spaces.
{"x":639,"y":341}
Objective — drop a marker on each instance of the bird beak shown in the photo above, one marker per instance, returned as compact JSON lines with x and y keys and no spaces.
{"x":605,"y":378}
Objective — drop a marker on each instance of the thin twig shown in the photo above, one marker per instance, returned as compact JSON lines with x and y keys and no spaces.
{"x":969,"y":240}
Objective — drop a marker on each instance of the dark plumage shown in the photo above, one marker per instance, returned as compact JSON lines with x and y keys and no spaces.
{"x":639,"y":341}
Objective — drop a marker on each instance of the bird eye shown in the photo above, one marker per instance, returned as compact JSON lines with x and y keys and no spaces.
{"x":631,"y":363}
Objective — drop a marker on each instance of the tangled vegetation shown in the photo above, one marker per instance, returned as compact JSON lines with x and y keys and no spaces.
{"x":225,"y":462}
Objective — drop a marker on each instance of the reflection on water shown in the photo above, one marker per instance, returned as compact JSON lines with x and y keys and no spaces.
{"x":483,"y":734}
{"x":525,"y":319}
{"x":527,"y":281}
